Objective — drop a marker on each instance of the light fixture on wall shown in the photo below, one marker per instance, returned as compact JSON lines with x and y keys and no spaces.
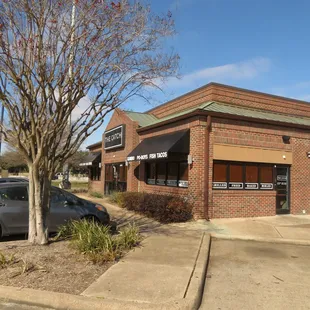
{"x":308,"y":154}
{"x":286,"y":139}
{"x":126,"y":163}
{"x":190,"y":159}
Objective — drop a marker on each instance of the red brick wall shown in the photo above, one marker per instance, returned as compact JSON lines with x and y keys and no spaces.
{"x":120,"y":154}
{"x":242,"y":204}
{"x":235,"y":96}
{"x":257,"y":203}
{"x":195,"y":190}
{"x":300,"y":175}
{"x":95,"y":186}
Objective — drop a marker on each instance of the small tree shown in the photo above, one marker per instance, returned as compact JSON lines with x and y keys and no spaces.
{"x":55,"y":55}
{"x":13,"y":160}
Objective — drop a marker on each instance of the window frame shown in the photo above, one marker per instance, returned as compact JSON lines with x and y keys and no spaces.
{"x":166,"y":173}
{"x":243,"y":164}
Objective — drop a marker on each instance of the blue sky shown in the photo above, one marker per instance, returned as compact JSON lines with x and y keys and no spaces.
{"x":256,"y":44}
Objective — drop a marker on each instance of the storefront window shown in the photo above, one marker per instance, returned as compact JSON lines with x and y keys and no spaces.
{"x":108,"y":173}
{"x":122,"y":173}
{"x":220,"y":175}
{"x":266,"y":177}
{"x":235,"y":175}
{"x":183,"y":175}
{"x":251,"y":176}
{"x":172,"y":175}
{"x":167,"y":173}
{"x":150,"y":173}
{"x":95,"y":173}
{"x":161,"y":173}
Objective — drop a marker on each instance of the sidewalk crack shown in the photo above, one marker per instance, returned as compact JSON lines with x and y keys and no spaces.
{"x":277,"y":231}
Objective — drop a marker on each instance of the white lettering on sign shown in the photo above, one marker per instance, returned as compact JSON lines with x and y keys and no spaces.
{"x":219,"y":185}
{"x":266,"y":186}
{"x":130,"y":158}
{"x":114,"y":138}
{"x":251,"y":185}
{"x":236,"y":185}
{"x":183,"y":183}
{"x":152,"y":156}
{"x":281,"y":177}
{"x":142,"y":157}
{"x":162,"y":155}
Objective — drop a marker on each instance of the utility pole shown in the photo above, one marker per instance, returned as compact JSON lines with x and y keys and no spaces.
{"x":65,"y":181}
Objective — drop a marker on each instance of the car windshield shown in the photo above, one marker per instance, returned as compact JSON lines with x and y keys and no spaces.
{"x":72,"y":198}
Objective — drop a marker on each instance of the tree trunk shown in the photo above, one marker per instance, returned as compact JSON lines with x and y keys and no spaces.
{"x":32,"y":213}
{"x":38,"y":206}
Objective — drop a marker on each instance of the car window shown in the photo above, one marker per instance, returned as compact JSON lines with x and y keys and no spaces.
{"x":72,"y":198}
{"x":14,"y":193}
{"x":2,"y":181}
{"x":57,"y":195}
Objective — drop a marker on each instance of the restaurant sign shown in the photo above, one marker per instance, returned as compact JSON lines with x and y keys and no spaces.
{"x":114,"y":138}
{"x":148,"y":156}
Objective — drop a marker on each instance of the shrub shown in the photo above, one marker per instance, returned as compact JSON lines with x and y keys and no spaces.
{"x":164,"y":208}
{"x":96,"y":195}
{"x":96,"y":241}
{"x":117,"y":197}
{"x":78,"y":190}
{"x":133,"y":201}
{"x":178,"y":210}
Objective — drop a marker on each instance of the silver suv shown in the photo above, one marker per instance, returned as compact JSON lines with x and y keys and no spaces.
{"x":14,"y":211}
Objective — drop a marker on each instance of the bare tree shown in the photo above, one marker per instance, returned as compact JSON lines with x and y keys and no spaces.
{"x":56,"y":54}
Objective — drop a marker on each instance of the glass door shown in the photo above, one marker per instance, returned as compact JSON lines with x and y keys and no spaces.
{"x":282,"y":189}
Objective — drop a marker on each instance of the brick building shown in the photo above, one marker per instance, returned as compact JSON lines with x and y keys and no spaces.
{"x":231,"y":152}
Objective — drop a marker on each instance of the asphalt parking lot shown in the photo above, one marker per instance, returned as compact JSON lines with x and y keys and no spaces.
{"x":255,"y":275}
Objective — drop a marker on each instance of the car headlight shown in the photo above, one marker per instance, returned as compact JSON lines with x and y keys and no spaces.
{"x":101,"y":208}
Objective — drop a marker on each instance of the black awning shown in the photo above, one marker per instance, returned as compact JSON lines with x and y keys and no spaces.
{"x":91,"y":158}
{"x":161,"y":146}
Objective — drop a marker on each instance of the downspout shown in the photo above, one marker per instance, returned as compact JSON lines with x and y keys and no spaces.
{"x":206,"y":171}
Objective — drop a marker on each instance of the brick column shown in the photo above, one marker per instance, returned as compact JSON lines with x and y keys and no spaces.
{"x":197,"y":183}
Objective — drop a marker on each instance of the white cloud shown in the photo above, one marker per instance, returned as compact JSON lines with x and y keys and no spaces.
{"x":83,"y":104}
{"x":235,"y":71}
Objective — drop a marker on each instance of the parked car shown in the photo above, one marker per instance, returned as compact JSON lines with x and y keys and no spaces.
{"x":13,"y":180}
{"x":14,"y":209}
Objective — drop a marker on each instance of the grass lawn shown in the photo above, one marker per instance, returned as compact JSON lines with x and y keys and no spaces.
{"x":75,"y":186}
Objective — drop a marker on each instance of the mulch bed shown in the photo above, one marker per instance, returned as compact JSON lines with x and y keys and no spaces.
{"x":55,"y":267}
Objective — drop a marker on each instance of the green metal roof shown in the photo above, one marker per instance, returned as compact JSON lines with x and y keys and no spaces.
{"x":256,"y":114}
{"x":224,"y":108}
{"x":143,"y":119}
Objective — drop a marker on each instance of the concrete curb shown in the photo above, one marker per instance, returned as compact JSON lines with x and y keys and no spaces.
{"x":260,"y":239}
{"x":196,"y":286}
{"x":194,"y":292}
{"x":63,"y":301}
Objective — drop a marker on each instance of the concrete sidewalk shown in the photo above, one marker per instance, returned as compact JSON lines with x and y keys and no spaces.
{"x":281,"y":228}
{"x":165,"y":269}
{"x":293,"y":229}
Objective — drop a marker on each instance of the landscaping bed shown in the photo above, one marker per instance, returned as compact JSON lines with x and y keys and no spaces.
{"x":66,"y":266}
{"x":163,"y":208}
